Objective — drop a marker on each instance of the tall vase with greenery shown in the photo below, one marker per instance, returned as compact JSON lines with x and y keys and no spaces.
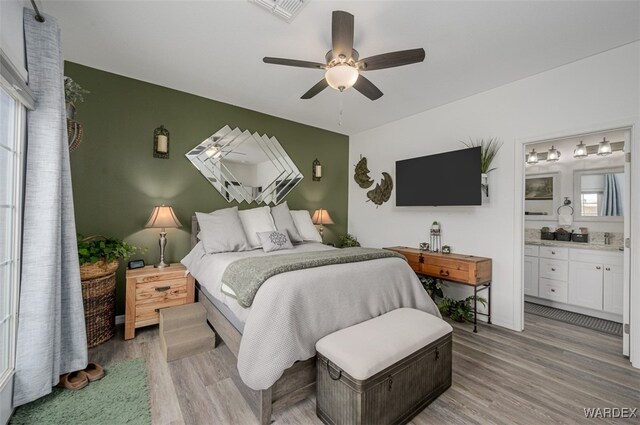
{"x":73,"y":94}
{"x":488,"y":150}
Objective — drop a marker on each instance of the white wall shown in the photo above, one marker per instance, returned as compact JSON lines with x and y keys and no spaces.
{"x":597,"y":90}
{"x":11,"y":34}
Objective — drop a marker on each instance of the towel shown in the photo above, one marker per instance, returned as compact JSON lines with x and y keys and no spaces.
{"x":565,"y":219}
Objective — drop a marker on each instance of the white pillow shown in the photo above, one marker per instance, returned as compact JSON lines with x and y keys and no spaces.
{"x":222,"y":231}
{"x":275,"y":241}
{"x":306,"y":228}
{"x":254,"y":221}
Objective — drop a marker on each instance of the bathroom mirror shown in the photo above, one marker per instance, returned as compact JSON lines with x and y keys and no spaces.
{"x":599,"y":194}
{"x":245,"y":166}
{"x":542,"y":196}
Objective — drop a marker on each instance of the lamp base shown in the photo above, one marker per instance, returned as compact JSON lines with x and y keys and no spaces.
{"x":161,"y":265}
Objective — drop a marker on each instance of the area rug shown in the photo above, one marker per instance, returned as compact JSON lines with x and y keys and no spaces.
{"x":606,"y":326}
{"x":121,"y":397}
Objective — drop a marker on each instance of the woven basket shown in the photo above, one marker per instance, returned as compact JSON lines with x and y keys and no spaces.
{"x":99,"y":299}
{"x":98,"y":269}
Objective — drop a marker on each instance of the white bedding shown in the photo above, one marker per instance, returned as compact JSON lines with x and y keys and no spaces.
{"x":293,"y":310}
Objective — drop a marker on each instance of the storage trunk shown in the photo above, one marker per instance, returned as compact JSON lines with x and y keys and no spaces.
{"x":392,"y":396}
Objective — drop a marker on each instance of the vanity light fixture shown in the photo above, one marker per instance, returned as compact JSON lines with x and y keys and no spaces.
{"x":604,"y":147}
{"x":553,"y":154}
{"x":532,"y":158}
{"x":580,"y":151}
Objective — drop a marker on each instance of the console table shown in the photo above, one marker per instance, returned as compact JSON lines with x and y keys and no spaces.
{"x":457,"y":268}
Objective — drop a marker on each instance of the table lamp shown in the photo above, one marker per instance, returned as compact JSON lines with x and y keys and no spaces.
{"x":162,"y":217}
{"x":321,"y":216}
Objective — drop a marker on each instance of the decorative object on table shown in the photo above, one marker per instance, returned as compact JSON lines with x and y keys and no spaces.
{"x":446,"y":249}
{"x":563,"y":235}
{"x":432,"y":285}
{"x":489,"y":150}
{"x":99,"y":258}
{"x":162,"y":217}
{"x":348,"y":241}
{"x":580,"y":237}
{"x":262,"y":156}
{"x":361,"y":175}
{"x":136,"y":264}
{"x":424,"y":246}
{"x":382,"y":192}
{"x":546,"y":234}
{"x":460,"y":310}
{"x":161,"y":143}
{"x":321,"y":217}
{"x":73,"y":94}
{"x":434,"y":234}
{"x":538,"y":189}
{"x":316,"y":169}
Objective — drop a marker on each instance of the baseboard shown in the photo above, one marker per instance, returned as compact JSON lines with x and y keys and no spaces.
{"x":120,"y":319}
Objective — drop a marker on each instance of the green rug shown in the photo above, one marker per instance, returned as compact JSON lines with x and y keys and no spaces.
{"x":121,"y":397}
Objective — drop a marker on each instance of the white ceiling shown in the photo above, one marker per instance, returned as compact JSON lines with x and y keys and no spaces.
{"x":215,"y":48}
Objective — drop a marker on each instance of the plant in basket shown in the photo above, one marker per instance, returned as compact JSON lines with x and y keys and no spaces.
{"x":101,"y":255}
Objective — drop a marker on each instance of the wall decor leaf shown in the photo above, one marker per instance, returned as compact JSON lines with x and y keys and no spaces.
{"x":361,"y":175}
{"x":382,"y":192}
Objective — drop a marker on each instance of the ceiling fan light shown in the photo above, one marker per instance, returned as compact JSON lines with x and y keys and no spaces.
{"x":553,"y":154}
{"x":341,"y":77}
{"x":604,"y":148}
{"x":532,"y":158}
{"x":580,"y":151}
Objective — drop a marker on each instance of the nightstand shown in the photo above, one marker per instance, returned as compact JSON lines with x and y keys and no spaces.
{"x":149,"y":289}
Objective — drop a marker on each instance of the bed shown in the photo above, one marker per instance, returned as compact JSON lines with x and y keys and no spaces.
{"x":274,"y":348}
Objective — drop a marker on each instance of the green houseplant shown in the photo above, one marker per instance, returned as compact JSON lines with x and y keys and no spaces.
{"x":101,"y":255}
{"x":488,"y":151}
{"x":432,"y":286}
{"x":460,"y":310}
{"x":348,"y":241}
{"x":73,"y":94}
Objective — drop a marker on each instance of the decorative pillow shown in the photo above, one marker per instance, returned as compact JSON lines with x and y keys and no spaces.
{"x":274,"y":241}
{"x":254,"y":221}
{"x":222,"y":231}
{"x":284,"y":222}
{"x":305,"y":226}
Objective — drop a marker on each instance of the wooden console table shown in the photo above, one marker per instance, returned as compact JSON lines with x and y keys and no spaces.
{"x":457,"y":268}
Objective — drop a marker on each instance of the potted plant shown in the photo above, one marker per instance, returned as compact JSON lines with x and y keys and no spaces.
{"x":460,"y":310}
{"x":348,"y":241}
{"x":432,"y":286}
{"x":488,"y":151}
{"x":73,"y":94}
{"x":435,"y":226}
{"x":100,"y":255}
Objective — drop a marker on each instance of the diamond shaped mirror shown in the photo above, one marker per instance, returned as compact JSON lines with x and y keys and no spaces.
{"x":246,"y":167}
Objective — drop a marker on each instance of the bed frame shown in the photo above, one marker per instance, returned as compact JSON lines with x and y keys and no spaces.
{"x":295,"y":384}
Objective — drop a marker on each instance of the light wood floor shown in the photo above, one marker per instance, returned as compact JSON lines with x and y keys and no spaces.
{"x":546,"y":374}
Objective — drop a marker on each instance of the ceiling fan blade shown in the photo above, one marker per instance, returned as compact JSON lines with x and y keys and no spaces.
{"x":367,"y":88}
{"x":342,"y":34}
{"x":390,"y":60}
{"x":294,"y":62}
{"x":322,"y":84}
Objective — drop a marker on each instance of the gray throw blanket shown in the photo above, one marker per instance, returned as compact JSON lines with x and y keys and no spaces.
{"x":245,"y":276}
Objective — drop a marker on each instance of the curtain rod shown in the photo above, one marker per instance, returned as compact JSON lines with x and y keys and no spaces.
{"x":38,"y":16}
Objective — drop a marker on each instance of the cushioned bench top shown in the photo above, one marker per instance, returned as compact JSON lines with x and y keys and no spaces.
{"x":367,"y":348}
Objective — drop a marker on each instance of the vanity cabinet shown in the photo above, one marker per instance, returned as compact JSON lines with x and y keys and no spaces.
{"x":574,"y":277}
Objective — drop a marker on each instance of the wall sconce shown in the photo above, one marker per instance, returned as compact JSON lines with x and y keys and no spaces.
{"x":532,"y":158}
{"x":553,"y":154}
{"x":317,"y":170}
{"x":161,"y":143}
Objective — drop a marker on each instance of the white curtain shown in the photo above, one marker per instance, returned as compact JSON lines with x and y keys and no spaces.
{"x":51,"y":330}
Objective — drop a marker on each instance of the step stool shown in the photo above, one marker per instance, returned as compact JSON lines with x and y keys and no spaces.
{"x":184,"y":331}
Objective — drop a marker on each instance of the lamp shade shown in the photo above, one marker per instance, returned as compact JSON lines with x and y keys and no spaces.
{"x":604,"y":148}
{"x":580,"y":151}
{"x":532,"y":158}
{"x":553,"y":155}
{"x":321,"y":216}
{"x":163,"y":217}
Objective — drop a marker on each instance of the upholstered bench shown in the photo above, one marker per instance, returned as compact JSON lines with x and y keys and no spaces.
{"x":383,"y":371}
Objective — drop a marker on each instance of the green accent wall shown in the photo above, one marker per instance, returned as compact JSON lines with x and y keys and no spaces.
{"x":117,"y":181}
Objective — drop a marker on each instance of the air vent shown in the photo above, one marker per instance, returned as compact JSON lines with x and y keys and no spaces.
{"x":284,"y":9}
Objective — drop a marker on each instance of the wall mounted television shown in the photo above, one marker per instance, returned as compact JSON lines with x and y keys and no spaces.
{"x":445,"y":179}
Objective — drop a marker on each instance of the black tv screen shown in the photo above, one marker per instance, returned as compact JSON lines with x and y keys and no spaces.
{"x":450,"y":178}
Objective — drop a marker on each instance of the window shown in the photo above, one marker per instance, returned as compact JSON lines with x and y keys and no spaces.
{"x":12,"y":114}
{"x":591,"y":203}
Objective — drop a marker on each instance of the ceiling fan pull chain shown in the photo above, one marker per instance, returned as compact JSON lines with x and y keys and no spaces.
{"x":340,"y":107}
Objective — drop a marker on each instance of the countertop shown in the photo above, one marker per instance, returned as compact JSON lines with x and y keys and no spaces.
{"x":579,"y":245}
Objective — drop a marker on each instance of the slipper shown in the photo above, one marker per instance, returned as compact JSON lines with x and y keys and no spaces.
{"x":74,"y":380}
{"x":94,"y":371}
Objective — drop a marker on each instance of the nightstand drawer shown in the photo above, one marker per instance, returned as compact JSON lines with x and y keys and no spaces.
{"x":157,"y":274}
{"x":157,"y":292}
{"x":446,"y":272}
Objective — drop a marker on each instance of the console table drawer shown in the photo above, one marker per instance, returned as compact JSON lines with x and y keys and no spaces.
{"x":446,"y":273}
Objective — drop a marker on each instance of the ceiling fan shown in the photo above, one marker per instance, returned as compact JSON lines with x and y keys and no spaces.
{"x":343,"y":67}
